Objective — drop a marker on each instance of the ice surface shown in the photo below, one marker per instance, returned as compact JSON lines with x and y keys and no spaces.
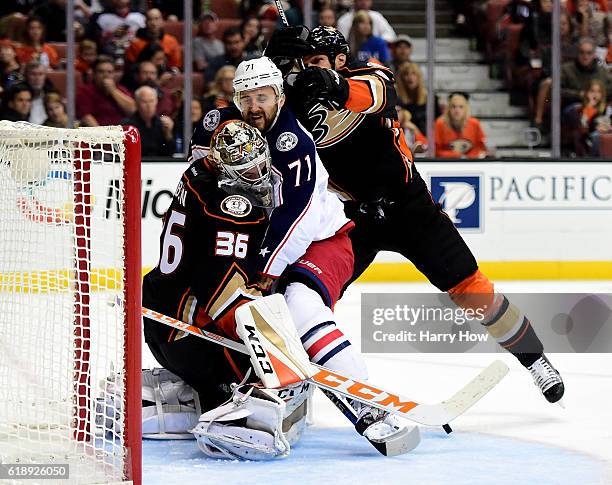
{"x":511,"y":436}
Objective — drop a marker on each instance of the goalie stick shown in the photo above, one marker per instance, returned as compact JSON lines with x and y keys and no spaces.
{"x":439,"y":414}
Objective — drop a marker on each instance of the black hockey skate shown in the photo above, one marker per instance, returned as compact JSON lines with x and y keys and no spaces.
{"x":547,"y":378}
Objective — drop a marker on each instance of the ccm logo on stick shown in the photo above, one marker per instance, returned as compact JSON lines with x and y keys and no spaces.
{"x":362,"y":391}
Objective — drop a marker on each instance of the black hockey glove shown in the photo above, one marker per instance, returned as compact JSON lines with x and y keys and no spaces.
{"x":376,"y":211}
{"x":289,"y":42}
{"x":325,"y":86}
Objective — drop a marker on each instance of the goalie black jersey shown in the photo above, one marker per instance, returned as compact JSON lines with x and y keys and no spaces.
{"x":307,"y":211}
{"x":208,"y":246}
{"x":362,"y":146}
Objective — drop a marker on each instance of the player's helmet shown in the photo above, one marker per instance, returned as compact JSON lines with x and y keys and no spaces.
{"x":329,"y":41}
{"x":241,"y":157}
{"x":257,"y":73}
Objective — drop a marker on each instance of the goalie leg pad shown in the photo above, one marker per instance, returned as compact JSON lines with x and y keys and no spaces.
{"x":174,"y":409}
{"x":277,"y":355}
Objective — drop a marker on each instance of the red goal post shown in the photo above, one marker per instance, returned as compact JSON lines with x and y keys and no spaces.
{"x":70,"y":293}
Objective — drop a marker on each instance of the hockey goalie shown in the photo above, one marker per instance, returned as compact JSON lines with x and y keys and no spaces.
{"x":250,"y":407}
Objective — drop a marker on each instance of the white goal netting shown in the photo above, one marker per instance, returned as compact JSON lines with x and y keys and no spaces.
{"x":62,"y":303}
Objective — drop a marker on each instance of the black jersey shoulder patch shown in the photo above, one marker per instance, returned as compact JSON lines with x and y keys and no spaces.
{"x":236,"y":205}
{"x":211,"y":120}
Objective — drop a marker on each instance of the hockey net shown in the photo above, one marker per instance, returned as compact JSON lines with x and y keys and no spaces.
{"x":70,"y":300}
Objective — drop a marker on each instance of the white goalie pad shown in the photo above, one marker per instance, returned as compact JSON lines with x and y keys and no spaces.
{"x":256,"y":424}
{"x":277,"y":355}
{"x":174,"y":408}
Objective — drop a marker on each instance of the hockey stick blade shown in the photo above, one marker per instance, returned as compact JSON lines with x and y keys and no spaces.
{"x":426,"y":414}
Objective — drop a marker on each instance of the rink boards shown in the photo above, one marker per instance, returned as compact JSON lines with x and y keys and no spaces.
{"x":535,"y":219}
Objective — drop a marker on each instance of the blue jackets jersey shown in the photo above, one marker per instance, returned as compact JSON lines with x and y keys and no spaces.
{"x":374,"y":47}
{"x":307,"y":211}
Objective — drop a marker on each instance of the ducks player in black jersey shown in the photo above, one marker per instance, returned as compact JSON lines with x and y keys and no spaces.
{"x":349,"y":107}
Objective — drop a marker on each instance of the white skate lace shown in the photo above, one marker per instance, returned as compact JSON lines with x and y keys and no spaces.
{"x":364,"y":410}
{"x":544,"y":375}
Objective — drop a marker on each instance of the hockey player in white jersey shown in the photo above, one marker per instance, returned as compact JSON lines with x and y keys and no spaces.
{"x":305,"y":250}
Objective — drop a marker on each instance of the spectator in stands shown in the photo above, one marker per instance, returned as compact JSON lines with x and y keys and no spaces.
{"x":458,"y":135}
{"x":173,"y":10}
{"x":16,"y":6}
{"x":10,"y":69}
{"x":34,"y":46}
{"x":536,"y":36}
{"x":155,"y":131}
{"x":233,"y":43}
{"x":197,"y":114}
{"x":363,"y":43}
{"x":56,"y":112}
{"x":253,"y":36}
{"x":380,"y":25}
{"x":206,"y":45}
{"x":266,"y":10}
{"x":592,"y":22}
{"x":153,"y":32}
{"x":542,"y":86}
{"x":598,"y":5}
{"x":576,"y":76}
{"x":589,"y":118}
{"x":519,"y":11}
{"x":401,"y":51}
{"x":17,"y":103}
{"x":327,"y":17}
{"x":147,"y":75}
{"x":36,"y":77}
{"x":103,"y":101}
{"x":415,"y":138}
{"x":155,"y":53}
{"x":115,"y":27}
{"x":412,"y":95}
{"x":88,"y":52}
{"x":221,"y":92}
{"x":53,"y":14}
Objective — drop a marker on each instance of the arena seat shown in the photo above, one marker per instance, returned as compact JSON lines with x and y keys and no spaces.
{"x":61,"y":49}
{"x":197,"y":83}
{"x":605,"y":147}
{"x":58,"y":79}
{"x":175,"y":28}
{"x":225,"y":9}
{"x":225,"y":24}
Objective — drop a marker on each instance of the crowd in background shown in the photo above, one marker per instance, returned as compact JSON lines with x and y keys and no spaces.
{"x":129,"y":64}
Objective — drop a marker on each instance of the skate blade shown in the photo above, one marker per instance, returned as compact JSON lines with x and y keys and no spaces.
{"x":561,"y":403}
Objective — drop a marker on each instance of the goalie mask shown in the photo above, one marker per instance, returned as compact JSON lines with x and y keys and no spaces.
{"x":241,"y":157}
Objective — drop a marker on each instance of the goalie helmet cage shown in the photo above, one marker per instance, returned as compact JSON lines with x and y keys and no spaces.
{"x":70,"y":293}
